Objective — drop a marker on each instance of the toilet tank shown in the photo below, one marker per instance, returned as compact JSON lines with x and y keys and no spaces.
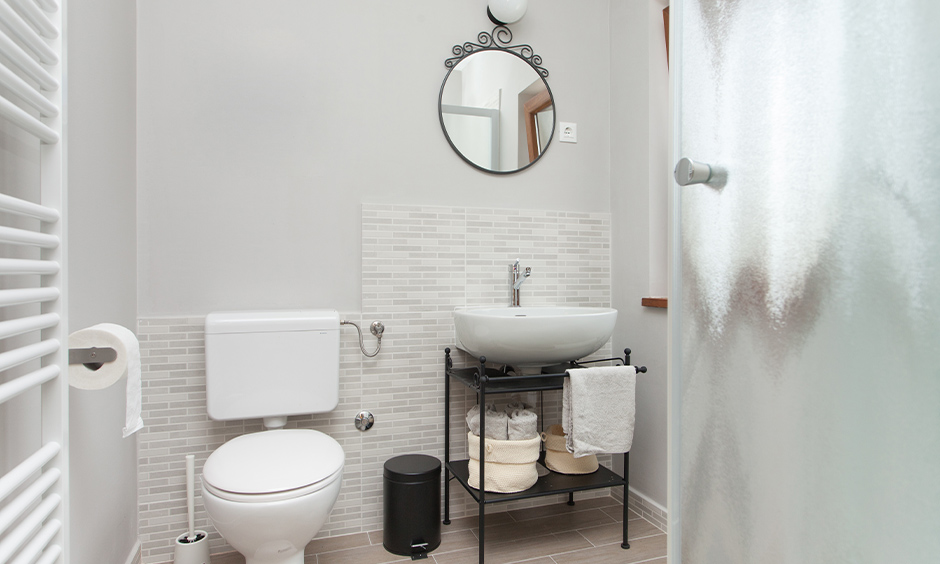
{"x":271,"y":363}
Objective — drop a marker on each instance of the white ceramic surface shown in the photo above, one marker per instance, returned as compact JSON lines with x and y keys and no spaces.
{"x":273,"y":461}
{"x":266,"y":364}
{"x":533,"y":336}
{"x":272,"y":532}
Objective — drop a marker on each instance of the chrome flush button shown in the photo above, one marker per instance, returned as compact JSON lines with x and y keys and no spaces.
{"x":364,"y":421}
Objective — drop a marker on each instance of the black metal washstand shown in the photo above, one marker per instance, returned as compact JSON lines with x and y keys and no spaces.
{"x":485,"y":381}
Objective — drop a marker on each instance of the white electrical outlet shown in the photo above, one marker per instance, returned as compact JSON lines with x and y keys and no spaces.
{"x":569,"y":132}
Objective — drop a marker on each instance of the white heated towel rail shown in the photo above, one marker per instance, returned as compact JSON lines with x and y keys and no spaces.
{"x":33,"y":329}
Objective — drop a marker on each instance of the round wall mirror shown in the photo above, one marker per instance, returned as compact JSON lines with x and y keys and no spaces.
{"x":496,"y":108}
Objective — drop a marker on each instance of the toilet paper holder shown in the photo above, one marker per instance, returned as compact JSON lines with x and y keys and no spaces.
{"x":92,"y":357}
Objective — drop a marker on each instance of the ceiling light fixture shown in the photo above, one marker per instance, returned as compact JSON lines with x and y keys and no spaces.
{"x":503,"y":12}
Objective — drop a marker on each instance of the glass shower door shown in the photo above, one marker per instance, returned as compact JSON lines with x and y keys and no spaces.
{"x":805,"y":329}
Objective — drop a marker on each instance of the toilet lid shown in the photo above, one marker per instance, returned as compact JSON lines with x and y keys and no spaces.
{"x":273,"y":461}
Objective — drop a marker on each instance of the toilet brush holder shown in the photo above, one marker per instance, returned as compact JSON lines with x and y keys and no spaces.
{"x":192,"y":550}
{"x":192,"y":547}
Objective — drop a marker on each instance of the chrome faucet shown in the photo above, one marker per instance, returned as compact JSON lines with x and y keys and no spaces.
{"x":516,"y":277}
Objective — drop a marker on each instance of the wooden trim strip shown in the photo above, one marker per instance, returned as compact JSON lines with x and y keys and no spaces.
{"x":655,"y":302}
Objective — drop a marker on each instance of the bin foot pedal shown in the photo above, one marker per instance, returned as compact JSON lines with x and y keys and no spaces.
{"x":419,"y":551}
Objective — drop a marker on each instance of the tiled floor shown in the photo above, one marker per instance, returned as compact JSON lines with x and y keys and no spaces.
{"x":589,"y":532}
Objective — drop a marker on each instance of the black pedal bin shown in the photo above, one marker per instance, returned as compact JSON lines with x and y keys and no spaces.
{"x":412,"y":505}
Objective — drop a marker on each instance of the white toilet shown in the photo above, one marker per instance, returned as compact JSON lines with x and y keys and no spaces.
{"x":269,"y":493}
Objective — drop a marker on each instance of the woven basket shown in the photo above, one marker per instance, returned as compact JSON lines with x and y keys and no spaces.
{"x":557,"y":457}
{"x":510,"y":465}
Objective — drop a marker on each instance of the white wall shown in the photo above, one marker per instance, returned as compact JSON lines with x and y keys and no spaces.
{"x":639,"y":174}
{"x":261,"y":131}
{"x":102,"y":268}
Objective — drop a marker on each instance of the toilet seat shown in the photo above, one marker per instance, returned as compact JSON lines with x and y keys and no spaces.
{"x":273,"y":465}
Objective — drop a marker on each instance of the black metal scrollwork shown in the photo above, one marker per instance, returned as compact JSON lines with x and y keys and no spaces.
{"x":499,"y":39}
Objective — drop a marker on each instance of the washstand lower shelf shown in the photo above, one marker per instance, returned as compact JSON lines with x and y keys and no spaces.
{"x":550,"y":484}
{"x":486,"y":381}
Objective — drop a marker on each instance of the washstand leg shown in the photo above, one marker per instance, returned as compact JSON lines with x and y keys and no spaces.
{"x":447,"y":365}
{"x":626,"y":487}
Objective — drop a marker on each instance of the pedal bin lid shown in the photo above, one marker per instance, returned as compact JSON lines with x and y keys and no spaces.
{"x":273,"y":461}
{"x":412,"y":468}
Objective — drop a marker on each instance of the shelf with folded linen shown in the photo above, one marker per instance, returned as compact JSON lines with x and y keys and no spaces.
{"x":550,"y":484}
{"x":511,"y":443}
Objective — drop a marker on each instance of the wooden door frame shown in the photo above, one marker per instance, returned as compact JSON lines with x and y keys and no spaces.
{"x":531,"y":108}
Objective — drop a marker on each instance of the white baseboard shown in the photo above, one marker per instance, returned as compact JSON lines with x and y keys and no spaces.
{"x":649,"y":502}
{"x":134,"y":556}
{"x":645,"y":507}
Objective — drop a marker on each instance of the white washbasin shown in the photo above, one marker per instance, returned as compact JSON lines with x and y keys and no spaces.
{"x":533,"y":336}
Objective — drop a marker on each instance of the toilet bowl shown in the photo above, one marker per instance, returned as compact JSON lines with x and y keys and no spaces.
{"x":269,"y":493}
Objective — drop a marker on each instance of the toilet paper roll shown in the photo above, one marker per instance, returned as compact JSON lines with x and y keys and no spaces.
{"x":125,"y":343}
{"x":121,"y":339}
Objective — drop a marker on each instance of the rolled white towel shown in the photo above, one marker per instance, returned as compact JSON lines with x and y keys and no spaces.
{"x":523,"y":425}
{"x":497,"y":422}
{"x":516,"y":403}
{"x":473,"y":420}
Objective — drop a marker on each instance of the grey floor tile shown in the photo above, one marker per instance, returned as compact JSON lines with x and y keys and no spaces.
{"x":558,"y":508}
{"x":588,"y":532}
{"x":342,"y":542}
{"x":514,"y":551}
{"x":639,"y":551}
{"x":471,"y":521}
{"x":458,"y":540}
{"x":607,"y":534}
{"x":545,"y":525}
{"x":227,"y":558}
{"x":616,"y":512}
{"x":374,"y":554}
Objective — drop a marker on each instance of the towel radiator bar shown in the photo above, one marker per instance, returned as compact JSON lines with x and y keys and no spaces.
{"x":34,"y":476}
{"x":485,"y":381}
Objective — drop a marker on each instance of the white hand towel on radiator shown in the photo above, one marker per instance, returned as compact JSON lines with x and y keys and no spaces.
{"x":599,"y":409}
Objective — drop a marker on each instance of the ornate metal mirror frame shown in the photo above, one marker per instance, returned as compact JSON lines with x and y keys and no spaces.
{"x":536,"y":106}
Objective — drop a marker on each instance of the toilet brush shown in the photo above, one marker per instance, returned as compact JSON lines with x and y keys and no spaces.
{"x":193,"y":546}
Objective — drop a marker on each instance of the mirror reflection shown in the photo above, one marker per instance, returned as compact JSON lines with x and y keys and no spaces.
{"x":497,"y":111}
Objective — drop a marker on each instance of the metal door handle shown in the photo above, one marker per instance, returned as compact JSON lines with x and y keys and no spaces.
{"x":691,"y":172}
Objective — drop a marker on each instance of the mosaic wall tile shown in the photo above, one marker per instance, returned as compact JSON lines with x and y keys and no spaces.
{"x":418,"y":264}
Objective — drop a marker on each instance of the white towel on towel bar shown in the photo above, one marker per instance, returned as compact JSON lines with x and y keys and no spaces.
{"x":599,"y":409}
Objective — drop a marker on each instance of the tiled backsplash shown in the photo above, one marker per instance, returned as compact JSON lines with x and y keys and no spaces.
{"x":418,"y":264}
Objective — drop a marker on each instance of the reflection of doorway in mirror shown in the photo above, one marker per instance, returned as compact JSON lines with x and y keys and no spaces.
{"x":475,"y":131}
{"x":666,"y":31}
{"x":545,"y":122}
{"x":536,"y":109}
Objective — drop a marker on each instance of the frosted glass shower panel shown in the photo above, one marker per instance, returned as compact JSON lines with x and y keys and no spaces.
{"x":809,"y":325}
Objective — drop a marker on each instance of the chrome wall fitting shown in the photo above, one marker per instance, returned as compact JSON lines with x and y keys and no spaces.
{"x":364,"y":420}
